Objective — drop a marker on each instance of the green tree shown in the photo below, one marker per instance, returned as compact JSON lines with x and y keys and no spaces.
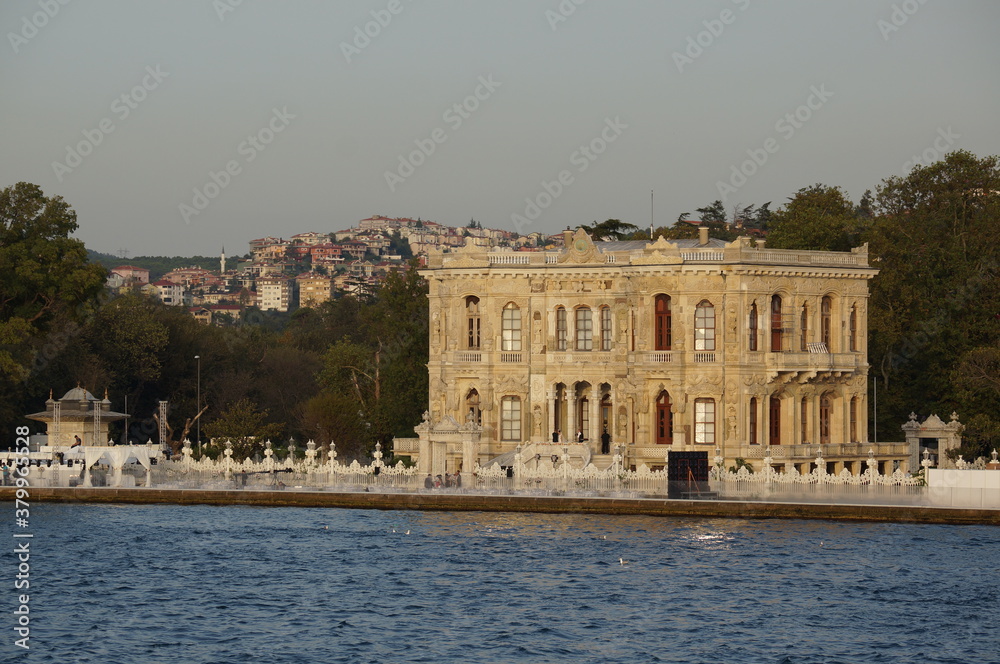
{"x":375,"y":367}
{"x":44,"y":275}
{"x":610,"y":229}
{"x":817,"y":217}
{"x":246,"y":426}
{"x":936,"y":241}
{"x":714,"y":213}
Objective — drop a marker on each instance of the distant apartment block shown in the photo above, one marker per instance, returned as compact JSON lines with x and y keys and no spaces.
{"x":314,"y":289}
{"x":168,"y":293}
{"x":131,"y":274}
{"x":275,"y":293}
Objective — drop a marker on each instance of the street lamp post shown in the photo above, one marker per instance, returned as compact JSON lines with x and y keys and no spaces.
{"x":198,"y":406}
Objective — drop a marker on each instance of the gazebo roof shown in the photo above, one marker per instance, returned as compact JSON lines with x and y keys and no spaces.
{"x":78,"y":394}
{"x":77,"y":405}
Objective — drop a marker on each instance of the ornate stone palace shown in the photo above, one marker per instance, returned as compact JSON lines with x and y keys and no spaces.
{"x":693,"y":344}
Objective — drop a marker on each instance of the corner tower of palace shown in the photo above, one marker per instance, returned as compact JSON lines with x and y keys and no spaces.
{"x":685,"y":345}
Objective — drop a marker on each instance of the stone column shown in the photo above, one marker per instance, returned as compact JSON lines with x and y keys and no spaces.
{"x":796,"y":406}
{"x":595,"y":425}
{"x":553,"y":423}
{"x":814,"y":416}
{"x":439,"y":457}
{"x":572,"y":419}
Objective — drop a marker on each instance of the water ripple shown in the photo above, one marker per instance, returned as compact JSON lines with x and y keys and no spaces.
{"x":178,"y":585}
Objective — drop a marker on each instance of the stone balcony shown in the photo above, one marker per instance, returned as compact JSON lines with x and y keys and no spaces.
{"x":830,"y":452}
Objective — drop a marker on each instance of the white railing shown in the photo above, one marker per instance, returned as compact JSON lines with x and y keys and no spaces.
{"x":805,"y":451}
{"x":793,"y":257}
{"x":520,"y":258}
{"x":658,"y":356}
{"x":703,"y":255}
{"x":469,"y":356}
{"x":767,"y":475}
{"x":704,"y":357}
{"x":510,"y":357}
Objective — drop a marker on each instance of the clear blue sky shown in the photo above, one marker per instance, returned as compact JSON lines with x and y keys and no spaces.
{"x":683,"y":118}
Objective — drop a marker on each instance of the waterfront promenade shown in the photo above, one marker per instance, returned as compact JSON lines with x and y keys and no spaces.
{"x":514,"y":502}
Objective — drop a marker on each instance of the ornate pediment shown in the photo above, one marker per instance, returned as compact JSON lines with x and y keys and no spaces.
{"x":581,"y":249}
{"x":468,"y":255}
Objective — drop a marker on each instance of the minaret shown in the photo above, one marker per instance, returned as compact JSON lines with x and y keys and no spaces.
{"x":222,"y":261}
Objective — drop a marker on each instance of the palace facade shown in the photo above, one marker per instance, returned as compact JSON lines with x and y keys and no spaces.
{"x":685,"y":345}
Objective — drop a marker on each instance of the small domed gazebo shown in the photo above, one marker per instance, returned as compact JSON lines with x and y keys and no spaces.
{"x":77,"y":414}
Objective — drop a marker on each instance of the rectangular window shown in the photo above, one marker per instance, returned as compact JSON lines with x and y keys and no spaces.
{"x":854,"y":420}
{"x":584,"y":329}
{"x":753,"y":421}
{"x":805,"y":420}
{"x":474,"y":332}
{"x":704,"y":421}
{"x":605,"y":328}
{"x":510,"y":418}
{"x":704,"y":327}
{"x":560,"y":329}
{"x":511,"y":339}
{"x":804,"y":326}
{"x":826,"y":323}
{"x":854,"y":329}
{"x":663,"y":329}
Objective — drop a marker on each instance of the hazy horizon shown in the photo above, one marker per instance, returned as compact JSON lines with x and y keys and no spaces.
{"x":293,"y":116}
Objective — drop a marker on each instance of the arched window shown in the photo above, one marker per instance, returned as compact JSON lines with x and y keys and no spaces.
{"x":774,"y":421}
{"x":561,"y":328}
{"x":826,"y":322}
{"x":664,"y":420}
{"x":776,"y":324}
{"x":704,"y":421}
{"x":510,"y":418}
{"x":472,"y":407}
{"x":753,"y":326}
{"x":824,"y":419}
{"x":662,"y":327}
{"x":854,"y":328}
{"x":704,"y":326}
{"x":511,"y":339}
{"x":474,"y":322}
{"x":804,"y":327}
{"x":605,"y":328}
{"x":753,"y":420}
{"x":584,"y":329}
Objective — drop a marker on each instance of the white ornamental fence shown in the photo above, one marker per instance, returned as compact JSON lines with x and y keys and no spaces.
{"x":528,"y":474}
{"x":270,"y":473}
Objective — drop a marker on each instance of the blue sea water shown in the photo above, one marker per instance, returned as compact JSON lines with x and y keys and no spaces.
{"x":175,"y":584}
